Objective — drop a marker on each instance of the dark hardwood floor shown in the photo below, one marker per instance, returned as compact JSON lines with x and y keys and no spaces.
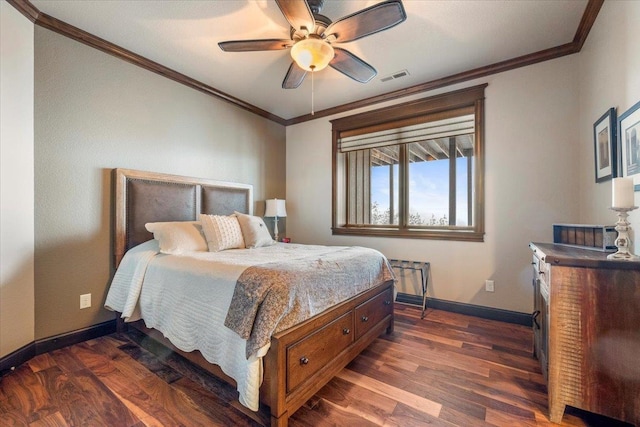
{"x":446,"y":370}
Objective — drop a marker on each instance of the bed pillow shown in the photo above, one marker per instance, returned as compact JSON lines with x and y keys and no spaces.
{"x":254,"y":231}
{"x":178,"y":237}
{"x":222,"y":232}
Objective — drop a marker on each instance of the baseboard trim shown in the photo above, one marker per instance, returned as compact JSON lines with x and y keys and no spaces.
{"x":29,"y":351}
{"x":53,"y":343}
{"x":46,"y":345}
{"x":468,"y":309}
{"x":17,"y":358}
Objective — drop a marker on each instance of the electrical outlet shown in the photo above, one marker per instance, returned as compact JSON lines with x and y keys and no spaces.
{"x":85,"y":301}
{"x":488,"y":285}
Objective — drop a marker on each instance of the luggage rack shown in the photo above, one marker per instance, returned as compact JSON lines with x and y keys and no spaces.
{"x":423,"y":267}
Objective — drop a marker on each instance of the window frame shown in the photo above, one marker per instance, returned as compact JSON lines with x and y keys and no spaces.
{"x":386,"y":117}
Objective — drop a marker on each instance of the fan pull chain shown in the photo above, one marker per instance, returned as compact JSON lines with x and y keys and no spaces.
{"x":313,"y":67}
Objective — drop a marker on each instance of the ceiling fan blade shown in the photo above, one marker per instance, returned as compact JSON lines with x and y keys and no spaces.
{"x":368,"y":21}
{"x":253,"y":45}
{"x":297,"y":13}
{"x":352,"y":66}
{"x":294,"y":76}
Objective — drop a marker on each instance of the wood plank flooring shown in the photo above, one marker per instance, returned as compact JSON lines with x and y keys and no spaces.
{"x":446,"y":370}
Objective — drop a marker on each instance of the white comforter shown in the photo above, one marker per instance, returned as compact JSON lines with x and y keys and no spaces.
{"x":187,"y":312}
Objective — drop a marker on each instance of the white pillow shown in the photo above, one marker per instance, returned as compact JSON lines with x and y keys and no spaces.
{"x":178,"y":237}
{"x":254,"y":231}
{"x":222,"y":232}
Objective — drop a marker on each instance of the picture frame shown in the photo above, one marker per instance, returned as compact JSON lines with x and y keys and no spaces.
{"x":605,"y":147}
{"x":629,"y":141}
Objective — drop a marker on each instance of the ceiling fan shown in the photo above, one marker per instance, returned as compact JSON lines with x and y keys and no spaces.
{"x":313,"y":37}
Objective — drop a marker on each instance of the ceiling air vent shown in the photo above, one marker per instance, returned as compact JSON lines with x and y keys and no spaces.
{"x":394,"y":76}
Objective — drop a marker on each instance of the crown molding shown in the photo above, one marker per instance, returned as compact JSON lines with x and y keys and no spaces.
{"x":26,"y":8}
{"x":586,"y":23}
{"x":74,"y":33}
{"x":588,"y":18}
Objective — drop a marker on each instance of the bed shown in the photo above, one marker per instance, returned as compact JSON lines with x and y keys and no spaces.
{"x":297,"y":359}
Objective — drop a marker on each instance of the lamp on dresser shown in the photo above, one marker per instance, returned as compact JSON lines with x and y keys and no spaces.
{"x":275,"y":208}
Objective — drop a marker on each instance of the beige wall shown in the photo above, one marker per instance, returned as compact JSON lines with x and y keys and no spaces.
{"x":609,"y":69}
{"x":531,"y":178}
{"x":94,"y":112}
{"x":539,"y":166}
{"x":16,"y":181}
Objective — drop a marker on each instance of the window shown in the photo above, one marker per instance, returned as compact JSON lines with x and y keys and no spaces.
{"x":412,"y":170}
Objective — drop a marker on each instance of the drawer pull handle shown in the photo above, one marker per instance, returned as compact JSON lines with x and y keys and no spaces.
{"x":364,"y":319}
{"x":387,"y":302}
{"x":304,"y":360}
{"x":346,"y":331}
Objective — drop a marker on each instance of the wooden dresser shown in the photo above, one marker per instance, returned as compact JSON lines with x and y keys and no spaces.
{"x":587,"y":331}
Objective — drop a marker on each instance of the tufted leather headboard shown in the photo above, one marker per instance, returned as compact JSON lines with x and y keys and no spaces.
{"x":142,"y":197}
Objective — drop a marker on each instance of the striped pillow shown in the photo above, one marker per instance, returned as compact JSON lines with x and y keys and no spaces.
{"x":222,"y":232}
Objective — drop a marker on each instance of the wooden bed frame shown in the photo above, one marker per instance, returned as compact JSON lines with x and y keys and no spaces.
{"x":301,"y":359}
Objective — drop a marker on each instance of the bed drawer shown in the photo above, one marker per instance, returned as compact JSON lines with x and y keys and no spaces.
{"x":308,"y":355}
{"x":371,"y":312}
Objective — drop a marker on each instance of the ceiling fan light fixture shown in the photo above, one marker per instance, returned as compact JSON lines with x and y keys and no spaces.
{"x":312,"y":53}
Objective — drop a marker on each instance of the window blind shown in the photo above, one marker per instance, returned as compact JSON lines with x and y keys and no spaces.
{"x":453,"y":126}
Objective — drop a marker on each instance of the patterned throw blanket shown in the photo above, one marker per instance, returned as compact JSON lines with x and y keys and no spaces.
{"x":270,"y":298}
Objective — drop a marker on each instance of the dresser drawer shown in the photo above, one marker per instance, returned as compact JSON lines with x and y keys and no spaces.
{"x":371,"y":312}
{"x":308,"y":355}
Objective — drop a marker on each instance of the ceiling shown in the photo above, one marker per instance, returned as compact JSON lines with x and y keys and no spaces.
{"x":438,"y":39}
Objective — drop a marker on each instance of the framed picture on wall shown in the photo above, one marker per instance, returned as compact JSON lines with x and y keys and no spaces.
{"x":629,"y":140}
{"x":604,"y":143}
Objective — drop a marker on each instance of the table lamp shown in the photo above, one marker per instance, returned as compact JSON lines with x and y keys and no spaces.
{"x":275,"y":208}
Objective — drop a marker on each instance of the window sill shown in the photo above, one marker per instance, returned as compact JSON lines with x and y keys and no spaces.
{"x":459,"y":235}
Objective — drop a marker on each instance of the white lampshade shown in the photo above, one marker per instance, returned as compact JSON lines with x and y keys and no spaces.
{"x":275,"y":208}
